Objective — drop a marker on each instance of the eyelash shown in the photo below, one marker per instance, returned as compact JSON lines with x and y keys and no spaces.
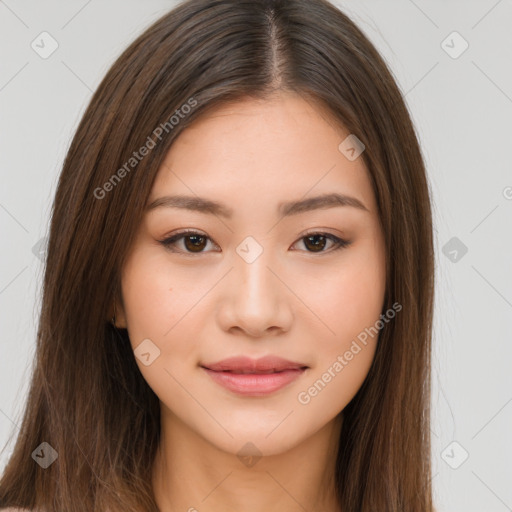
{"x":169,"y":241}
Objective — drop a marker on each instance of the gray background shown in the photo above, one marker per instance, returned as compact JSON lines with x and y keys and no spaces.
{"x":462,"y":109}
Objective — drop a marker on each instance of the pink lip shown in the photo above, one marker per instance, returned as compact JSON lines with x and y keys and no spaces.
{"x":254,"y":377}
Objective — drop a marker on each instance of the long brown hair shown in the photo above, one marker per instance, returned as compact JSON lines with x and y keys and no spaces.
{"x":87,"y":397}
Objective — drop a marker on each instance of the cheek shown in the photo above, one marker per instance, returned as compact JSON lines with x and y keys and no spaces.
{"x":349,"y":298}
{"x":345,"y":355}
{"x":145,"y":293}
{"x":349,"y":302}
{"x":152,"y":307}
{"x":156,"y":313}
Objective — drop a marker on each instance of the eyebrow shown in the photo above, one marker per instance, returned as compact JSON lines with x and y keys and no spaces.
{"x":286,"y":209}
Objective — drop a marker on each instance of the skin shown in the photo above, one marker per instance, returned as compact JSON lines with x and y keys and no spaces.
{"x":292,"y":302}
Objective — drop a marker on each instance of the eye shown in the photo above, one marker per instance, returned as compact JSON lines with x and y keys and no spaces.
{"x":195,"y":242}
{"x":317,"y":241}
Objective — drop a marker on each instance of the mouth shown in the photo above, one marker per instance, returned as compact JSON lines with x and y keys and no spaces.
{"x":249,"y":377}
{"x":256,"y":372}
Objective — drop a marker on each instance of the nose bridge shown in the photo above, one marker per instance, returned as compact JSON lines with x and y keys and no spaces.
{"x":255,"y":283}
{"x":256,"y":298}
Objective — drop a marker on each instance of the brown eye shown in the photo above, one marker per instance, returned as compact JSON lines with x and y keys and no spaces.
{"x":192,"y":242}
{"x":195,"y":243}
{"x":316,"y":242}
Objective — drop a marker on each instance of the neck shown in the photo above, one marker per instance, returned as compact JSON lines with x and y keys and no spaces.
{"x":190,"y":474}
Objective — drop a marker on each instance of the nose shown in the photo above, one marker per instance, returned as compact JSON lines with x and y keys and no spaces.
{"x":255,"y":299}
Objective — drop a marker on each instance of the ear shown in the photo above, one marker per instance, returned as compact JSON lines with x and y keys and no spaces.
{"x":119,"y":313}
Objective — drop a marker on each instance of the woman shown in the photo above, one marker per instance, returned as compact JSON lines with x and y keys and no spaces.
{"x":238,"y":293}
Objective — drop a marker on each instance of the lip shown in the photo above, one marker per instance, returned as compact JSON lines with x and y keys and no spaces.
{"x":254,"y":377}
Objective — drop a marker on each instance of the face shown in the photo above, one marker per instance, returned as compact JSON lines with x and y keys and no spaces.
{"x":256,"y":277}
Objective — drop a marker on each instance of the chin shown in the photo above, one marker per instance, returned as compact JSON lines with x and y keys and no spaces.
{"x":266,"y":440}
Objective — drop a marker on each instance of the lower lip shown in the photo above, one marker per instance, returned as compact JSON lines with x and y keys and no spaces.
{"x":254,"y":384}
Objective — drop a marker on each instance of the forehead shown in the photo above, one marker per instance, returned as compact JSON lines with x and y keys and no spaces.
{"x":282,"y":148}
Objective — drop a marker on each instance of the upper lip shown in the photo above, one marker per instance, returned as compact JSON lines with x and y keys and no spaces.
{"x":267,"y":364}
